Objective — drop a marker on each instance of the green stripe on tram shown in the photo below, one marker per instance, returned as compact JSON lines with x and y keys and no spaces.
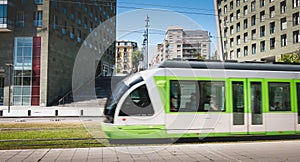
{"x":159,"y":131}
{"x":163,"y":84}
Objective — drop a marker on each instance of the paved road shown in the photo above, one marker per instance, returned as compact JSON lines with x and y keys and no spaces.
{"x":239,"y":151}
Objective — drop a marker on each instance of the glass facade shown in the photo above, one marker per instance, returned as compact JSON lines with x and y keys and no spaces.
{"x":26,"y":70}
{"x":22,"y":71}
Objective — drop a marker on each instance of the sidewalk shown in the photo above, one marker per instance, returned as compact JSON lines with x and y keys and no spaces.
{"x":54,"y":111}
{"x":238,"y":151}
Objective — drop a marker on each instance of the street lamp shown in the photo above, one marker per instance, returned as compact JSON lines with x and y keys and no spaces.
{"x":9,"y":84}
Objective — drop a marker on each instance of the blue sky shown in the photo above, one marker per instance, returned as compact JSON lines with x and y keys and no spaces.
{"x":189,"y":14}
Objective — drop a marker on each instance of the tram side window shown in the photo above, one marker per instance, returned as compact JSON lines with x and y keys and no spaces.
{"x":184,"y":96}
{"x":279,"y":96}
{"x":137,"y":103}
{"x":212,"y":95}
{"x":197,"y":96}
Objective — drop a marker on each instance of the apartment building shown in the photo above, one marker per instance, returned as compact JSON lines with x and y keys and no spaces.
{"x":185,"y":44}
{"x":39,"y":43}
{"x":260,"y":30}
{"x":124,"y":50}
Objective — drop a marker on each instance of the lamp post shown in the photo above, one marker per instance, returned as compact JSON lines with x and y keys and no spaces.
{"x":9,"y":84}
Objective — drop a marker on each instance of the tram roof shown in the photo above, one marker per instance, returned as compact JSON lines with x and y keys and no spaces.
{"x":229,"y":65}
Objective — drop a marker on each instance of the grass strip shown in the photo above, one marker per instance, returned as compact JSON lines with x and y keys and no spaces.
{"x":50,"y":135}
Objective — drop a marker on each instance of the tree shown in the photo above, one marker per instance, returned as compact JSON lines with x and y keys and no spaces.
{"x":136,"y":57}
{"x":200,"y":57}
{"x":290,"y":57}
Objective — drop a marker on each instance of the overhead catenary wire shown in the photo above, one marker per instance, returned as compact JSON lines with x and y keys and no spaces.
{"x":163,"y":10}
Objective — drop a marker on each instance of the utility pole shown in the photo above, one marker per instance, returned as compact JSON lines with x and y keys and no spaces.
{"x":146,"y":41}
{"x":9,"y":84}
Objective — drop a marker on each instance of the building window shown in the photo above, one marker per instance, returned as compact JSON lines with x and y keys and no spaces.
{"x":231,"y":42}
{"x":225,"y":9}
{"x":55,"y":22}
{"x":262,"y":16}
{"x":38,"y":19}
{"x":246,"y":51}
{"x":253,"y":20}
{"x":296,"y":3}
{"x":253,"y":48}
{"x":3,"y":14}
{"x":272,"y":11}
{"x":78,"y":36}
{"x":238,"y":52}
{"x":245,"y":23}
{"x":245,"y":37}
{"x":262,"y":31}
{"x":279,"y":96}
{"x":262,"y":46}
{"x":245,"y":10}
{"x":22,"y":71}
{"x":238,"y":3}
{"x":296,"y":19}
{"x":231,"y":18}
{"x":283,"y":7}
{"x":72,"y":36}
{"x":283,"y":40}
{"x":54,"y":4}
{"x":283,"y":23}
{"x":272,"y":43}
{"x":64,"y":28}
{"x":238,"y":27}
{"x":231,"y":5}
{"x":272,"y":27}
{"x":231,"y":30}
{"x":238,"y":14}
{"x":296,"y":37}
{"x":38,"y":2}
{"x":253,"y":6}
{"x":262,"y":3}
{"x":225,"y":33}
{"x":238,"y":40}
{"x":20,"y":19}
{"x":253,"y":34}
{"x":232,"y":55}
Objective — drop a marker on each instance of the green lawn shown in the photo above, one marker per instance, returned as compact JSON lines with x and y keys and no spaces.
{"x":50,"y":135}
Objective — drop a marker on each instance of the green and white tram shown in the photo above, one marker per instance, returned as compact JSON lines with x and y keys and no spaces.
{"x":188,"y":99}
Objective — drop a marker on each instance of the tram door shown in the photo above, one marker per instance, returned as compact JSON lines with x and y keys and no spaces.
{"x":246,"y":106}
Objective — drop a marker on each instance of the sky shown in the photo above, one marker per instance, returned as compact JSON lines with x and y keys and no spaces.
{"x":188,"y":14}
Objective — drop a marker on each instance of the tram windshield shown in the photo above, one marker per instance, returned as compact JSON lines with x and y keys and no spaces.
{"x":117,"y":93}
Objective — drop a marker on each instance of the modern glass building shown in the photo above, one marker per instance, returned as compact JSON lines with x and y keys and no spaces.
{"x":41,"y":40}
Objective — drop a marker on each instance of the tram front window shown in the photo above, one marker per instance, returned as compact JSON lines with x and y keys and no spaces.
{"x":137,"y":103}
{"x":117,"y":93}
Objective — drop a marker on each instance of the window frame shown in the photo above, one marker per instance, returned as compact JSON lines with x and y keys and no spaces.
{"x":277,"y":81}
{"x":198,"y":91}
